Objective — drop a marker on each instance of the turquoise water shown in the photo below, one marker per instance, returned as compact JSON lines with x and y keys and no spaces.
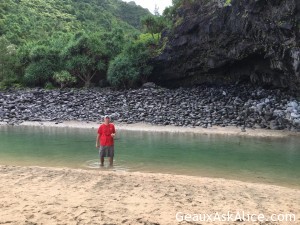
{"x":267,"y":160}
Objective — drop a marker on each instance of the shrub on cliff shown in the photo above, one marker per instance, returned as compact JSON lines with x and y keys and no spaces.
{"x":170,"y":14}
{"x":154,"y":25}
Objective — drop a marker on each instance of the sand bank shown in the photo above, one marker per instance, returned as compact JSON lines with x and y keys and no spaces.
{"x":37,"y":195}
{"x":173,"y":129}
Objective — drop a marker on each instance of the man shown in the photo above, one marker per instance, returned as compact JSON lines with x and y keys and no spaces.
{"x":105,"y":136}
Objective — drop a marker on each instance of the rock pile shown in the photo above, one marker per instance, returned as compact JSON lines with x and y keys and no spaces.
{"x":204,"y":106}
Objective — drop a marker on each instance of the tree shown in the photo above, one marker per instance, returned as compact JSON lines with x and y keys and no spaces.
{"x":114,"y":41}
{"x":122,"y":72}
{"x":40,"y":60}
{"x":22,"y":21}
{"x":40,"y":72}
{"x":85,"y":57}
{"x":131,"y":67}
{"x":154,"y":24}
{"x":4,"y":56}
{"x":64,"y":78}
{"x":7,"y":63}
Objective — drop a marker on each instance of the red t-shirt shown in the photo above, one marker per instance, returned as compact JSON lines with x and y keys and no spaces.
{"x":105,"y":132}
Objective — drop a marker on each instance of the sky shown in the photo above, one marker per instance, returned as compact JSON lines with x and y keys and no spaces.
{"x":150,"y":4}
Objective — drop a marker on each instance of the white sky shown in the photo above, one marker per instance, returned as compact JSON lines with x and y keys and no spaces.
{"x":150,"y":4}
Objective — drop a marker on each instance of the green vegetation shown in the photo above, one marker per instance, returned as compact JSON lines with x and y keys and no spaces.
{"x":79,"y":43}
{"x":227,"y":3}
{"x":154,"y":24}
{"x":64,"y":78}
{"x":130,"y":68}
{"x":21,"y":21}
{"x":84,"y":57}
{"x":170,"y":13}
{"x":7,"y":63}
{"x":56,"y":42}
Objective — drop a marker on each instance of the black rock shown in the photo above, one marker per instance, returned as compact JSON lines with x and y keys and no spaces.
{"x":252,"y":41}
{"x":198,"y":106}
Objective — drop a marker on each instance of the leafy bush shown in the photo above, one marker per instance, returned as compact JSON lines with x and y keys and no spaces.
{"x":122,"y":72}
{"x":227,"y":3}
{"x":10,"y":82}
{"x":149,"y":39}
{"x":64,"y":78}
{"x":154,"y":25}
{"x":130,"y":68}
{"x":41,"y":60}
{"x":8,"y":62}
{"x":113,"y":41}
{"x":85,"y":57}
{"x":49,"y":86}
{"x":38,"y":73}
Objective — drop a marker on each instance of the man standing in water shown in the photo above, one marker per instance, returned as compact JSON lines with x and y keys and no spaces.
{"x":105,"y":136}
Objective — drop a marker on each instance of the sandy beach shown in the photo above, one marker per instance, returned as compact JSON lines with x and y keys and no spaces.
{"x":36,"y":195}
{"x":172,"y":129}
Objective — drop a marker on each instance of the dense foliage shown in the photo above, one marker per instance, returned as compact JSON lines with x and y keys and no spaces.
{"x":44,"y":42}
{"x":21,"y":21}
{"x":7,"y":63}
{"x":130,"y":68}
{"x":60,"y":43}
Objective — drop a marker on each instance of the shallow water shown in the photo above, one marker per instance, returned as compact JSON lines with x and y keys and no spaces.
{"x":266,"y":160}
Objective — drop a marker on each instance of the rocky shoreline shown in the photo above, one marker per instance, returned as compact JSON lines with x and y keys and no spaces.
{"x":202,"y":106}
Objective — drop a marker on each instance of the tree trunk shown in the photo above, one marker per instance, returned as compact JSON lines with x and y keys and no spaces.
{"x":87,"y":83}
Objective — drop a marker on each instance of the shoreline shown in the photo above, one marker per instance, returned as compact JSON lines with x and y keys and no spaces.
{"x":204,"y":107}
{"x":76,"y":196}
{"x":145,"y":127}
{"x":62,"y":195}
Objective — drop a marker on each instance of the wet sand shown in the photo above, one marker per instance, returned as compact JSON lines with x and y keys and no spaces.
{"x":173,"y":129}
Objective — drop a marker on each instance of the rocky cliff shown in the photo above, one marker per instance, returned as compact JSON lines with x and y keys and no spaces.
{"x":254,"y":41}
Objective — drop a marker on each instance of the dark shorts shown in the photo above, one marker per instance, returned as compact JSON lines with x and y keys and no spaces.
{"x":106,"y":151}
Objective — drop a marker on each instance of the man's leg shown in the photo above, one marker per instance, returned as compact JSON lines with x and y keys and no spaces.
{"x":102,"y":154}
{"x":111,"y":153}
{"x":111,"y":161}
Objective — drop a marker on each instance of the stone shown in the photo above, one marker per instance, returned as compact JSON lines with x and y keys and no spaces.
{"x":293,"y":104}
{"x":149,"y":85}
{"x":273,"y":125}
{"x":295,"y":115}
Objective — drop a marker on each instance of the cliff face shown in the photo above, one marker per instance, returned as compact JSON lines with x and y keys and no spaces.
{"x":249,"y":40}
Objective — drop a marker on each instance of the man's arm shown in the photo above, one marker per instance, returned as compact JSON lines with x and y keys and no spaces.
{"x":98,"y":135}
{"x":114,"y":131}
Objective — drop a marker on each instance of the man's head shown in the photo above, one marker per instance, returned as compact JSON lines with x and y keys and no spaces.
{"x":106,"y":119}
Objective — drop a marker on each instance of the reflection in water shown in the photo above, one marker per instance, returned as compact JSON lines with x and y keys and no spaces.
{"x":266,"y":160}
